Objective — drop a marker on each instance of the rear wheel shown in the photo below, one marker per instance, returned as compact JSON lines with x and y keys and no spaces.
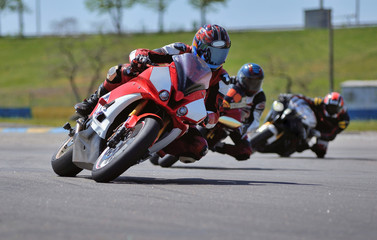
{"x":61,"y":161}
{"x":114,"y":161}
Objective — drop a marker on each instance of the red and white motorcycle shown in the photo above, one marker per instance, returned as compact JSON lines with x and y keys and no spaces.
{"x":135,"y":120}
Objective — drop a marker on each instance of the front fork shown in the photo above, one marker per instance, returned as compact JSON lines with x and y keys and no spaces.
{"x":270,"y":126}
{"x":131,"y":121}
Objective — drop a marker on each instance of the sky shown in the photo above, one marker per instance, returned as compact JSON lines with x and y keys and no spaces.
{"x":236,"y":14}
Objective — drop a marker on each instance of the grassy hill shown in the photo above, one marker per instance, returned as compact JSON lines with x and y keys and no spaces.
{"x":32,"y":70}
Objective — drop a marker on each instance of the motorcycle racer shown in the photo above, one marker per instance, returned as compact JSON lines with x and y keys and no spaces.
{"x":248,"y":99}
{"x":332,"y":118}
{"x":211,"y":43}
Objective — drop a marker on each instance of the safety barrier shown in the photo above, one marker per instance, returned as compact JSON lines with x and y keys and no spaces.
{"x":36,"y":112}
{"x":360,"y":98}
{"x":15,"y":112}
{"x":32,"y":130}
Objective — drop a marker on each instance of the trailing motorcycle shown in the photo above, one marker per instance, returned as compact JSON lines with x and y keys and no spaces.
{"x":288,"y":128}
{"x":135,"y":120}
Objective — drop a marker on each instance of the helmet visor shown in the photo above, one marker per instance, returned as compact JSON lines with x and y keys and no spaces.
{"x":254,"y":85}
{"x":251,"y":84}
{"x":332,"y":109}
{"x":216,"y":56}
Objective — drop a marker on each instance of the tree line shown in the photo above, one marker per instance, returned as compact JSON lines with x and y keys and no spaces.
{"x":14,"y":6}
{"x":114,"y":8}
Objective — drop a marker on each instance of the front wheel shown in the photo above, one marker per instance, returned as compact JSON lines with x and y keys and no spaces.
{"x":260,"y":138}
{"x":61,"y":161}
{"x":114,"y":161}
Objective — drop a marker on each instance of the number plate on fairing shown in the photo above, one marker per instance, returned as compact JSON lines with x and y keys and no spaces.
{"x":196,"y":110}
{"x":160,"y":78}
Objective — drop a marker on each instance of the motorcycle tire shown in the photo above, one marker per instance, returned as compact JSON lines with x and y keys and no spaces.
{"x":128,"y":152}
{"x":61,"y":161}
{"x":154,"y":159}
{"x":167,"y":161}
{"x":260,"y":138}
{"x":285,"y":155}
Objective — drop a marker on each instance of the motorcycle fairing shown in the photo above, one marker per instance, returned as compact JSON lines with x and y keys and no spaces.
{"x":196,"y":111}
{"x":86,"y":148}
{"x":101,"y":125}
{"x":88,"y":142}
{"x":158,"y":77}
{"x":303,"y":109}
{"x":143,"y":87}
{"x":147,"y":86}
{"x":160,"y":80}
{"x":123,"y":96}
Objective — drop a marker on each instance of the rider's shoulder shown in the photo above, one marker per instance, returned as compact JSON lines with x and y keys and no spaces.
{"x":344,"y":116}
{"x":260,"y":96}
{"x":317,"y":101}
{"x":220,"y":74}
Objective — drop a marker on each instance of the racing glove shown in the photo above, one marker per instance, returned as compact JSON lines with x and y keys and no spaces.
{"x":140,"y":63}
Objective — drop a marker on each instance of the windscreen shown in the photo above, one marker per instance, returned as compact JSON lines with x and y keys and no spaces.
{"x":304,"y":110}
{"x":193,"y":73}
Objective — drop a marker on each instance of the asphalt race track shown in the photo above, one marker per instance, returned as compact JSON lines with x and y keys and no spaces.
{"x":266,"y":197}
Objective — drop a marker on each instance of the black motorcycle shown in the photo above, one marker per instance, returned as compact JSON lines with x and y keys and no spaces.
{"x":288,"y":128}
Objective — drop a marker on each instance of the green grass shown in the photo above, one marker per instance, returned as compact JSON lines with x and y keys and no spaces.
{"x":356,"y":125}
{"x":29,"y":67}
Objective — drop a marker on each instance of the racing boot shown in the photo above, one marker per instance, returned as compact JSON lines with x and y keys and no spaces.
{"x":190,"y":147}
{"x":240,"y":151}
{"x":86,"y":107}
{"x":319,"y":150}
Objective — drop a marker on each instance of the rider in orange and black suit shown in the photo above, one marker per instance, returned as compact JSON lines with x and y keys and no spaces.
{"x":211,"y":43}
{"x":332,"y":118}
{"x":247,"y":93}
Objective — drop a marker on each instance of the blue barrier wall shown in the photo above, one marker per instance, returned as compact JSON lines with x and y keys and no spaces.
{"x":362,"y":114}
{"x":15,"y":112}
{"x":360,"y":98}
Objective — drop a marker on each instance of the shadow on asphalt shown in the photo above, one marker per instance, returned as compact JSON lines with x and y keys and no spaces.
{"x":227,"y":168}
{"x":199,"y":181}
{"x":334,"y":158}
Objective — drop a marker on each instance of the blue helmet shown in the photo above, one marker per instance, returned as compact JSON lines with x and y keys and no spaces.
{"x":250,"y":77}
